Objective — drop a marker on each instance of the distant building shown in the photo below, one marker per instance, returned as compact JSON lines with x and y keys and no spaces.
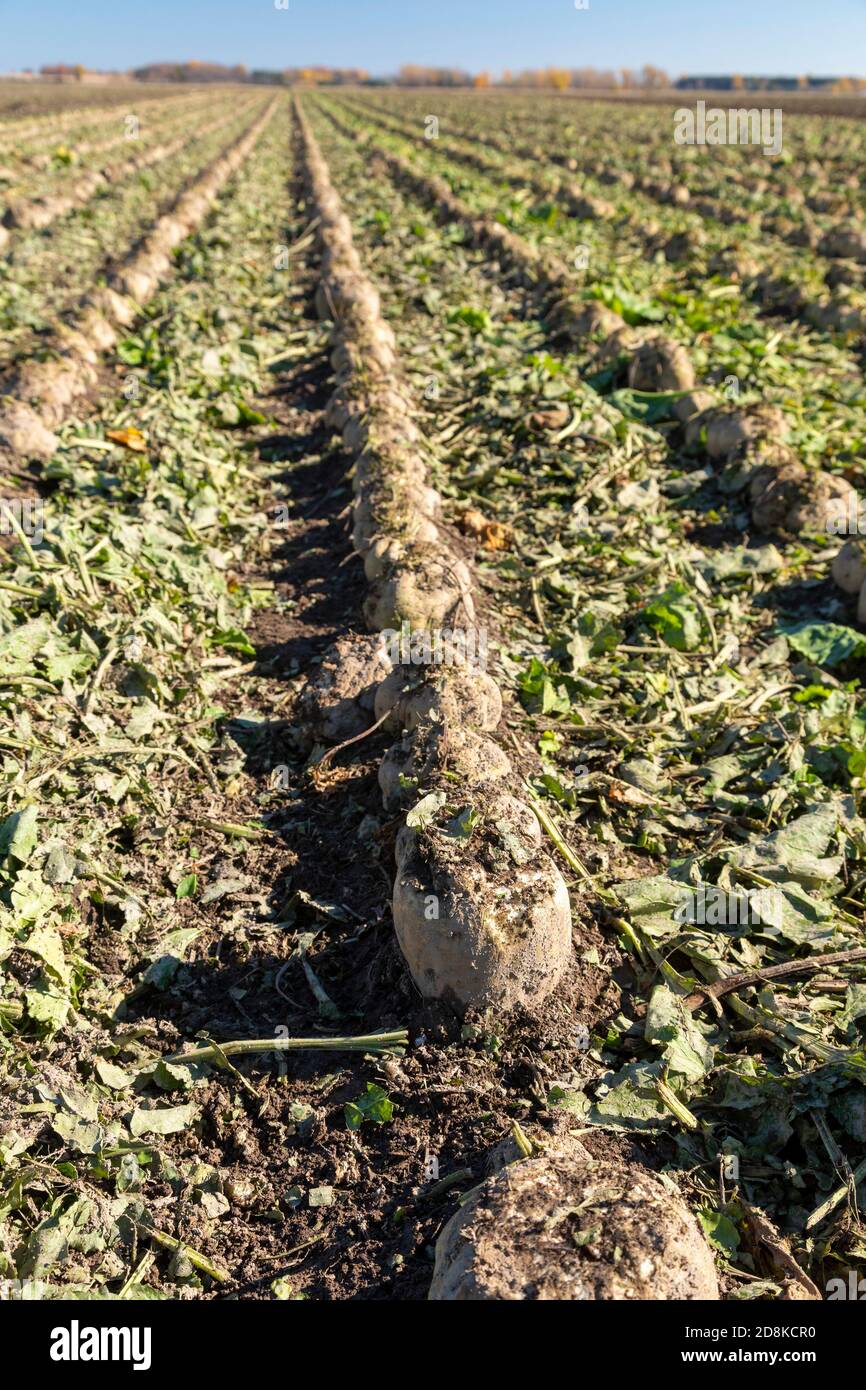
{"x":66,"y":72}
{"x":735,"y":83}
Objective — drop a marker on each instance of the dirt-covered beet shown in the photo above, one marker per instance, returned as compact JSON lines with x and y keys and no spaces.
{"x":566,"y":1228}
{"x":481,"y":912}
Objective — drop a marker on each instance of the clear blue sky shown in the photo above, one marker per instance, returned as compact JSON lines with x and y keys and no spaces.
{"x":749,"y":36}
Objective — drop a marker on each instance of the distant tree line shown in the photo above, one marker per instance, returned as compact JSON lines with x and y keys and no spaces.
{"x":554,"y":79}
{"x":216,"y":72}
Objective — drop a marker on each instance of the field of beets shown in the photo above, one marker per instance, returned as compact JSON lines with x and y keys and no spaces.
{"x":432,"y":711}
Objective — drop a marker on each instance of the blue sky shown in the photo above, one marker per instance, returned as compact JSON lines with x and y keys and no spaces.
{"x":680,"y":35}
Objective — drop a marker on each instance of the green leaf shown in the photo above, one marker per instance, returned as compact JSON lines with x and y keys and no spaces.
{"x":171,"y":1119}
{"x":18,"y":834}
{"x":232,"y":639}
{"x":668,"y":1022}
{"x":632,"y":308}
{"x":674,"y":617}
{"x":647,"y":407}
{"x":46,"y":1005}
{"x":19,"y":647}
{"x":462,"y":825}
{"x":425,"y":811}
{"x":372,"y":1107}
{"x":827,"y":644}
{"x":113,"y":1076}
{"x":478,"y":320}
{"x":719,"y":1230}
{"x":187,"y":886}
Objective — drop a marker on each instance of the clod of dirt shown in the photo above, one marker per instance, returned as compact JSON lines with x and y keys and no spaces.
{"x":848,"y":243}
{"x":678,"y":194}
{"x":115,"y":307}
{"x":683,"y":244}
{"x":338,"y":702}
{"x":97,"y":330}
{"x":734,"y":265}
{"x":417,"y":759}
{"x":566,"y":1228}
{"x":779,"y":293}
{"x":835,"y":316}
{"x":22,"y":433}
{"x":728,"y":429}
{"x":849,"y":567}
{"x":555,"y":1141}
{"x":481,"y":913}
{"x":552,"y":418}
{"x":796,"y":498}
{"x":73,"y":343}
{"x":445,"y":694}
{"x":138,"y":284}
{"x":661,"y":365}
{"x":593,"y":320}
{"x":24,"y":213}
{"x":587,"y":207}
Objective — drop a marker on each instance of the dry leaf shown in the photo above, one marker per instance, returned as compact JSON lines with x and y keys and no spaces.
{"x":130,"y":438}
{"x":492,"y":535}
{"x":772,"y":1254}
{"x":553,"y":418}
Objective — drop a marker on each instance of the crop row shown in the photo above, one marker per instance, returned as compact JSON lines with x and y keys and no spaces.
{"x":52,"y":385}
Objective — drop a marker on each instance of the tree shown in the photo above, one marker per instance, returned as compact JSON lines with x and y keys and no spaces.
{"x":654,"y":77}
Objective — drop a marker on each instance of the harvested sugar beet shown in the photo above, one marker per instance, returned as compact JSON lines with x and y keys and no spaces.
{"x":452,"y":694}
{"x":481,"y":912}
{"x":849,"y":567}
{"x":423,"y":756}
{"x":661,"y":365}
{"x":796,"y":498}
{"x":569,"y":1228}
